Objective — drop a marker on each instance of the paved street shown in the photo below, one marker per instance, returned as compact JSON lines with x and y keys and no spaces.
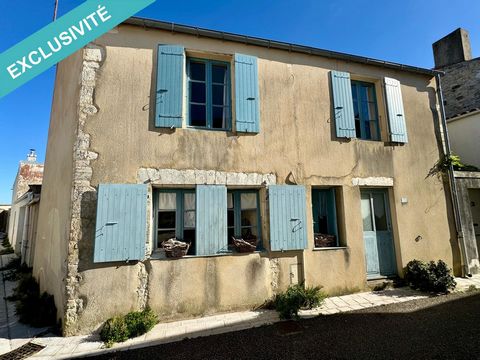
{"x":440,"y":327}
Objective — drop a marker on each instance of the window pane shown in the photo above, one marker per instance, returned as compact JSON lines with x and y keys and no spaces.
{"x":380,"y":214}
{"x":164,"y":235}
{"x":197,"y":92}
{"x":218,"y":118}
{"x":197,"y":71}
{"x":166,"y":220}
{"x":249,"y":217}
{"x":372,"y":111}
{"x":248,"y":200}
{"x":374,"y":130}
{"x":189,"y":201}
{"x":198,"y":115}
{"x":364,"y":118}
{"x":167,"y":201}
{"x":230,"y":218}
{"x":189,"y":237}
{"x":249,"y":233}
{"x":354,"y":91}
{"x":366,"y":213}
{"x":218,"y":95}
{"x":230,"y":200}
{"x":189,"y":219}
{"x":219,"y":74}
{"x":370,"y":93}
{"x":230,"y":235}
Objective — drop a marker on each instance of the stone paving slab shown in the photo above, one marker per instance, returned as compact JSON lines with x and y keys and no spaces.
{"x":465,"y":283}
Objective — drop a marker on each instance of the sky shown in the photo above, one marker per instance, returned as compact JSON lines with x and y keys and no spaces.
{"x":398,"y":31}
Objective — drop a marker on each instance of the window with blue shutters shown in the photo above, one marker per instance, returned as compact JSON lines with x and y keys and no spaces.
{"x":287,"y":208}
{"x":196,"y":216}
{"x":209,"y":94}
{"x":121,"y":225}
{"x":169,"y":89}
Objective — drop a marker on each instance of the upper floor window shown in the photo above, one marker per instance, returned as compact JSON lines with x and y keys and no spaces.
{"x":365,"y":110}
{"x":356,"y":112}
{"x":208,"y":94}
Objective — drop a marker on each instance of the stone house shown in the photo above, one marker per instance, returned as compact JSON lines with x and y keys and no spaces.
{"x":160,"y":130}
{"x":461,"y":92}
{"x":30,"y":173}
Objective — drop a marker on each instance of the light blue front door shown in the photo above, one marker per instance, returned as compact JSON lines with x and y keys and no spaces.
{"x":377,"y":234}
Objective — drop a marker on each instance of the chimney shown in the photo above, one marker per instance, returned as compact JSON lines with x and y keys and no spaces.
{"x":452,"y":49}
{"x":32,"y":156}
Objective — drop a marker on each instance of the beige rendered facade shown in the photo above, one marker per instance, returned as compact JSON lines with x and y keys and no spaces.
{"x":464,"y":133}
{"x":103,"y":131}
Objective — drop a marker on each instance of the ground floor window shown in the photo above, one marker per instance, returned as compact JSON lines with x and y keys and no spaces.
{"x":243,"y":215}
{"x":324,"y":210}
{"x":176,"y":216}
{"x":175,"y":211}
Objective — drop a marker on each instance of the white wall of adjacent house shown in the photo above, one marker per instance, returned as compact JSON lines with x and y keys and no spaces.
{"x":464,"y":133}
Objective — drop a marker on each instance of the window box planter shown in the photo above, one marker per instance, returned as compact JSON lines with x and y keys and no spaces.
{"x":174,"y":248}
{"x":244,"y":246}
{"x":325,"y":240}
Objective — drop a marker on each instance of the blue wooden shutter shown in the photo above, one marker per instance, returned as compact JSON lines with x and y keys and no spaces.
{"x":288,"y":217}
{"x":396,"y":114}
{"x":121,"y":227}
{"x":169,"y":95}
{"x":343,"y":104}
{"x":247,"y":103}
{"x":211,"y":219}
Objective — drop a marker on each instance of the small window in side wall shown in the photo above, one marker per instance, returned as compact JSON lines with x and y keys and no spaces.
{"x":176,"y":216}
{"x":325,"y":227}
{"x":243,"y":216}
{"x":209,"y":99}
{"x":365,"y":110}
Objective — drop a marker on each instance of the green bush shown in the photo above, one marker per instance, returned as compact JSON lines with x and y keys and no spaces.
{"x":121,"y":328}
{"x":33,"y":308}
{"x":297,"y":297}
{"x":429,"y":276}
{"x":7,"y":247}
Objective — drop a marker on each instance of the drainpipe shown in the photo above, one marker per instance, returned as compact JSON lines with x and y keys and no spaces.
{"x":24,"y":243}
{"x":452,"y":182}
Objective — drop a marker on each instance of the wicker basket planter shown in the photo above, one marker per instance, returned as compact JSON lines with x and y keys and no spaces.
{"x":244,"y":246}
{"x":324,"y":240}
{"x":174,"y":248}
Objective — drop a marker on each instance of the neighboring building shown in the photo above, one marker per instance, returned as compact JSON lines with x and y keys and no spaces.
{"x":29,"y":173}
{"x":4,"y":215}
{"x":31,"y":204}
{"x":215,"y":135}
{"x":461,"y":89}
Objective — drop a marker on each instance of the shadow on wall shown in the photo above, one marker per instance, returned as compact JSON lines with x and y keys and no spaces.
{"x":456,"y":256}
